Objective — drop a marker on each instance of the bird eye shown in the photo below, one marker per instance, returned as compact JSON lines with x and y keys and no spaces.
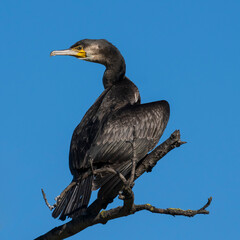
{"x":79,"y":47}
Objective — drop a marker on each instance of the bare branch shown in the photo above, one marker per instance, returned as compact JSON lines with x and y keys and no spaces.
{"x":175,"y":211}
{"x":51,"y":207}
{"x":110,"y":170}
{"x":77,"y":225}
{"x":145,"y":165}
{"x":58,"y":198}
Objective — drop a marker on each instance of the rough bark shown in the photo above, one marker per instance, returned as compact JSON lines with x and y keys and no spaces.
{"x":145,"y":165}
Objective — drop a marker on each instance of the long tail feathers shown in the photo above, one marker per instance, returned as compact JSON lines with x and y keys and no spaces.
{"x":74,"y":202}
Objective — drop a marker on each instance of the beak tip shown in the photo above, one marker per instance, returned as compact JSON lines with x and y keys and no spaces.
{"x":52,"y":54}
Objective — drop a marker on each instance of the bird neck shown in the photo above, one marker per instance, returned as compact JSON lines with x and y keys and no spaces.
{"x":115,"y":72}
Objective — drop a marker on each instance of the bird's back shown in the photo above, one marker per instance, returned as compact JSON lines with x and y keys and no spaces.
{"x":114,"y":98}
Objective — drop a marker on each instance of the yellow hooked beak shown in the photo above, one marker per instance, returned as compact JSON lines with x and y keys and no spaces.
{"x":70,"y":52}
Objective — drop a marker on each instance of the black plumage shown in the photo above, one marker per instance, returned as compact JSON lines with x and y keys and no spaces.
{"x":105,"y":134}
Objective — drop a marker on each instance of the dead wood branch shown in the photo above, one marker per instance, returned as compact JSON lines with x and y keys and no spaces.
{"x":51,"y":207}
{"x":145,"y":165}
{"x":68,"y":229}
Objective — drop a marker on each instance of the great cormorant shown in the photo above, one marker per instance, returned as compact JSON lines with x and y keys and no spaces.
{"x":103,"y":137}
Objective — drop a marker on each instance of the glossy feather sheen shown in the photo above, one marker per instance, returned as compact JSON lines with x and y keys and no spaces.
{"x":113,"y":142}
{"x":104,"y":138}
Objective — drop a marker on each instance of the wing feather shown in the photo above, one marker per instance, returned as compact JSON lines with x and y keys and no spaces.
{"x":114,"y":142}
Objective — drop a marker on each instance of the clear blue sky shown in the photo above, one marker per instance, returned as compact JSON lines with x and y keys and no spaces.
{"x":186,"y":52}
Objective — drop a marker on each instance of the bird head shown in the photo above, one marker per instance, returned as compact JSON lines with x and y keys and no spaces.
{"x":92,"y":50}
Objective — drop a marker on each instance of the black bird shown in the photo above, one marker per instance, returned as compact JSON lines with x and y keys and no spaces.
{"x":103,"y":137}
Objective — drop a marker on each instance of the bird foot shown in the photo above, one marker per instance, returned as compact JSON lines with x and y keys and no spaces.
{"x":57,"y":198}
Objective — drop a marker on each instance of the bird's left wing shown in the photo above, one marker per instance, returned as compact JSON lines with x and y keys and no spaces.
{"x":143,"y":124}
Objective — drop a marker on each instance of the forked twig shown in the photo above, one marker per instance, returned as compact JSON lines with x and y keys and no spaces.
{"x":145,"y":165}
{"x":51,"y":207}
{"x":58,"y":198}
